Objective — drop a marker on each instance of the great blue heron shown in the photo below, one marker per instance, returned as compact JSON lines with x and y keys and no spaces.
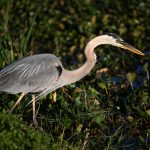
{"x":45,"y":73}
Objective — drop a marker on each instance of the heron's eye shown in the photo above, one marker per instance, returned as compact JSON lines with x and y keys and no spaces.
{"x":119,"y":40}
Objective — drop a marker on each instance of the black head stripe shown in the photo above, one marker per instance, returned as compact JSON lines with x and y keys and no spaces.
{"x":113,"y":35}
{"x":118,"y":39}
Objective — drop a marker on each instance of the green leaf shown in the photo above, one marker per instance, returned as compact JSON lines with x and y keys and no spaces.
{"x":100,"y":119}
{"x":131,"y":76}
{"x":148,"y":112}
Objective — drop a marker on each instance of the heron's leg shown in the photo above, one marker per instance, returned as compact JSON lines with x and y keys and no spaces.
{"x":33,"y":108}
{"x":17,"y":102}
{"x":54,"y":95}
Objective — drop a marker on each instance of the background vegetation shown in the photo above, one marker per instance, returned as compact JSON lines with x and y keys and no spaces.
{"x":104,"y":110}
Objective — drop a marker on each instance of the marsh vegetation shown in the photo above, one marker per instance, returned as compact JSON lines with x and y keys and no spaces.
{"x":105,"y":110}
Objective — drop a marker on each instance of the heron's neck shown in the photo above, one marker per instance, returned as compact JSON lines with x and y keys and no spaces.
{"x":77,"y":74}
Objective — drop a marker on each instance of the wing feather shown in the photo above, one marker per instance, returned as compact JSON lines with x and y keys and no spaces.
{"x":30,"y":74}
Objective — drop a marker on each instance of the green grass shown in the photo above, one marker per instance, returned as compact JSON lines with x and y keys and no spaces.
{"x":102,"y":111}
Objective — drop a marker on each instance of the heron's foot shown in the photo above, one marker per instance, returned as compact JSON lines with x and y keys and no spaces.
{"x":10,"y":111}
{"x":35,"y":122}
{"x":54,"y":96}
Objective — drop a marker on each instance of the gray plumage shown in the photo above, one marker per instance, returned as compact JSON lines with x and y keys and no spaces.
{"x":31,"y":74}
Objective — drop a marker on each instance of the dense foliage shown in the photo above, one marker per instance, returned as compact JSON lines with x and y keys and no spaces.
{"x":104,"y":110}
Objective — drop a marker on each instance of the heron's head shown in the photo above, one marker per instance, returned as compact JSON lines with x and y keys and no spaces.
{"x":117,"y":41}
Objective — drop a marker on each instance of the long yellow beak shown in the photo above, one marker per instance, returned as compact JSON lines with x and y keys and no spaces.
{"x":125,"y":45}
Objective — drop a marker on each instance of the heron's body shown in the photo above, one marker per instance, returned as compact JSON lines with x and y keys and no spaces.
{"x":30,"y":74}
{"x":44,"y":73}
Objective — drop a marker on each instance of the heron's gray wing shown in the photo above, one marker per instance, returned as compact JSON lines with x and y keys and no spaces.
{"x":31,"y":74}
